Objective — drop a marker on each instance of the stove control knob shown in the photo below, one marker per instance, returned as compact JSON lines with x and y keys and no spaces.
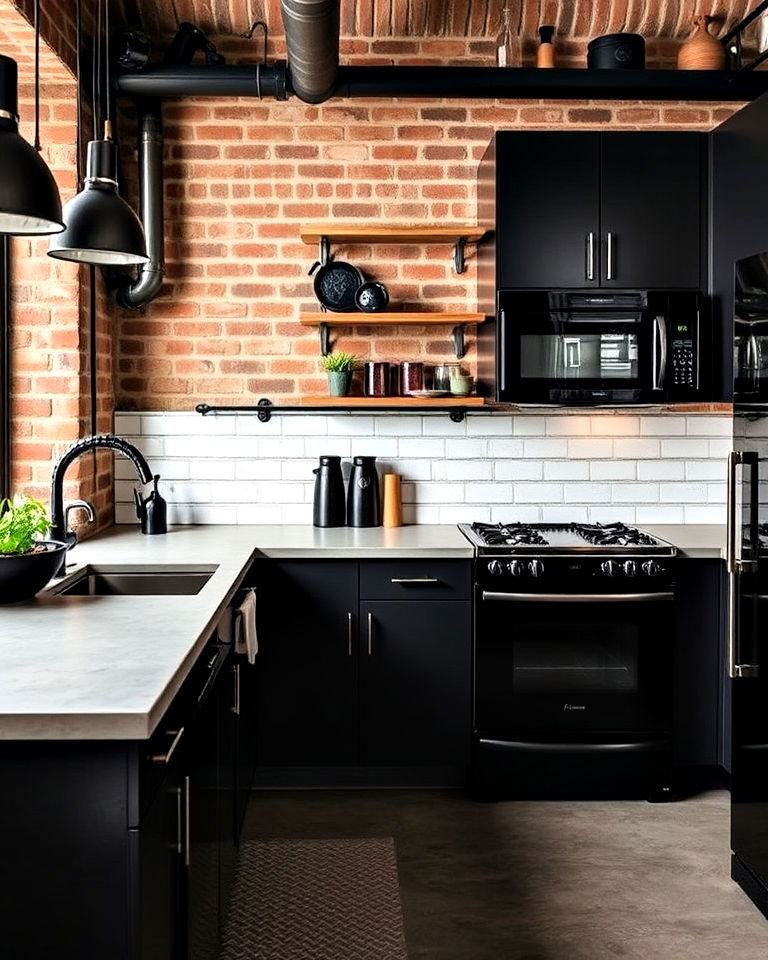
{"x":609,"y":568}
{"x":630,"y":568}
{"x":651,"y":568}
{"x":535,"y":568}
{"x":516,"y":568}
{"x":495,"y":568}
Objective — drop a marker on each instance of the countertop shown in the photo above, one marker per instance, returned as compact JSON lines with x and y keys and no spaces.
{"x":108,"y":667}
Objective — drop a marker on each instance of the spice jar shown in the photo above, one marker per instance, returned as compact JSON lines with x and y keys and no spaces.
{"x":411,"y":377}
{"x":376,"y":379}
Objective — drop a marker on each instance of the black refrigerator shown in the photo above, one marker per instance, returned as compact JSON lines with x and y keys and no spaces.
{"x":747,"y":563}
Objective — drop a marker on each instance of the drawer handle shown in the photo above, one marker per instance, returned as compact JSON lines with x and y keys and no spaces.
{"x":166,"y":757}
{"x":414,"y":580}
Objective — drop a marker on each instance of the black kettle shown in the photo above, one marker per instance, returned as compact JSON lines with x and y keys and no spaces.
{"x":328,"y":508}
{"x":152,"y":511}
{"x":363,"y":503}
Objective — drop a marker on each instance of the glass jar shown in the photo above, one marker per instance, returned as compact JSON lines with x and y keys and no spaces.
{"x":411,"y":377}
{"x":376,"y":379}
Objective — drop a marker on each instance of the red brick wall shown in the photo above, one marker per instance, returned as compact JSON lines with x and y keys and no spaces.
{"x":241,"y":176}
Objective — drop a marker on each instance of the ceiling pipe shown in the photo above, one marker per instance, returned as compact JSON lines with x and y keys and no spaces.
{"x":134,"y":292}
{"x":166,"y":81}
{"x":312,"y":42}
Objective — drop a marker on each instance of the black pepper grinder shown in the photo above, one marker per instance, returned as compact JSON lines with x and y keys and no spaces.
{"x":363,"y":503}
{"x":329,"y":493}
{"x":152,"y":511}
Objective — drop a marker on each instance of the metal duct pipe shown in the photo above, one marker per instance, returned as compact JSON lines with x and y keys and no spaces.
{"x":134,"y":293}
{"x":312,"y":41}
{"x":165,"y":81}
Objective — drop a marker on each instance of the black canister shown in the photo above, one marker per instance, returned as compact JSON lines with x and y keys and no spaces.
{"x":329,"y":493}
{"x":363,"y":503}
{"x":616,"y":51}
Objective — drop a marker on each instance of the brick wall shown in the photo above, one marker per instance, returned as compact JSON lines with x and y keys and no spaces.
{"x":242,"y":175}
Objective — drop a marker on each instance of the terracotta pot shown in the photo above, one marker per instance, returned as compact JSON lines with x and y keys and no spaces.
{"x":701,"y":51}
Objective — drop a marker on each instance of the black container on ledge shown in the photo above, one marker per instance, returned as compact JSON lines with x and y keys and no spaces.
{"x":363,"y":502}
{"x":329,"y":493}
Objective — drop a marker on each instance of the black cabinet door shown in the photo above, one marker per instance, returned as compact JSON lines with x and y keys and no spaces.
{"x":415,"y":675}
{"x":156,"y":846}
{"x":650,"y":209}
{"x":247,"y":725}
{"x":547,"y":209}
{"x":229,"y":696}
{"x":307,"y":613}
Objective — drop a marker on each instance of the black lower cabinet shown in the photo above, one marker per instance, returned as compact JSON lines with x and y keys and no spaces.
{"x":414,"y":683}
{"x":247,"y":719}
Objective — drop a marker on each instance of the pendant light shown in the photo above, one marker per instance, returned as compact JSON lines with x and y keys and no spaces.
{"x":100,"y":226}
{"x":29,"y":198}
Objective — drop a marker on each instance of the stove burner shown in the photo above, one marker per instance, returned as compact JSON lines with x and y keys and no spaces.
{"x":610,"y":534}
{"x":508,"y":534}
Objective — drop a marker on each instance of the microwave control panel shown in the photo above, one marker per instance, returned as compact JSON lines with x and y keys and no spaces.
{"x":684,"y":367}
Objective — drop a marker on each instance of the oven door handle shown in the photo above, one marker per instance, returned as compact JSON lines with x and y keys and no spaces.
{"x":640,"y":746}
{"x":575,"y":597}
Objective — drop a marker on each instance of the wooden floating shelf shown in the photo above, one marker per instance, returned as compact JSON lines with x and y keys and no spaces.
{"x":381,"y":233}
{"x":380,"y":319}
{"x":404,"y":402}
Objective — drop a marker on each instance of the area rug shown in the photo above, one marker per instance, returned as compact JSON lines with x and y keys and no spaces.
{"x":316,"y":900}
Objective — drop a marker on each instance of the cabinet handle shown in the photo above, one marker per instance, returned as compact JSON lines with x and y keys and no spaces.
{"x":187,"y":832}
{"x":502,"y":350}
{"x":166,"y":757}
{"x":590,"y":255}
{"x":349,"y":634}
{"x":609,"y":258}
{"x":370,"y":634}
{"x":236,"y":707}
{"x":414,"y":580}
{"x":179,"y":837}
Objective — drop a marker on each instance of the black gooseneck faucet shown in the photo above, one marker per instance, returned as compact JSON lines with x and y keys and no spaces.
{"x":60,"y":513}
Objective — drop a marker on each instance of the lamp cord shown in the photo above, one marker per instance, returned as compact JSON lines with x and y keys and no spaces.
{"x":107,"y":118}
{"x":78,"y":94}
{"x":37,"y":76}
{"x":97,"y":75}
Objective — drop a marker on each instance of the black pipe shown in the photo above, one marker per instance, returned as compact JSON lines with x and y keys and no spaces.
{"x":165,"y":81}
{"x":133,"y":293}
{"x":451,"y":82}
{"x":5,"y":369}
{"x":312,"y":42}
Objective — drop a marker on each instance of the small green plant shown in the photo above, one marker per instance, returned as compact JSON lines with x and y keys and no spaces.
{"x":339,"y":362}
{"x":22,"y":520}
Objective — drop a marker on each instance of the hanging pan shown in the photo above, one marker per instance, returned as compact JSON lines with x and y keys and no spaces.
{"x":336,"y":284}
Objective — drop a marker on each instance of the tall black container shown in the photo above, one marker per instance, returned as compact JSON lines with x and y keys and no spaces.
{"x":329,"y":493}
{"x":363,"y":503}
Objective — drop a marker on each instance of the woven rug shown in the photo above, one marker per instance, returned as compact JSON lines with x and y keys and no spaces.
{"x":316,"y":900}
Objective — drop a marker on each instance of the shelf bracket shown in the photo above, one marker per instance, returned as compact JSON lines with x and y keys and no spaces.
{"x":325,"y":339}
{"x":458,"y":254}
{"x":457,"y":415}
{"x":324,"y":250}
{"x":457,"y":335}
{"x":264,"y":413}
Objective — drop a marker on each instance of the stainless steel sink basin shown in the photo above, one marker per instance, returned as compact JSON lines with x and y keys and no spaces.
{"x":104,"y":581}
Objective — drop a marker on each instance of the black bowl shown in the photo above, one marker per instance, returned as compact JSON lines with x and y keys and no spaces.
{"x":24,"y":575}
{"x":372,"y":297}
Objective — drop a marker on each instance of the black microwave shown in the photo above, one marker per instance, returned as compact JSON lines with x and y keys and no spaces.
{"x":583,"y":347}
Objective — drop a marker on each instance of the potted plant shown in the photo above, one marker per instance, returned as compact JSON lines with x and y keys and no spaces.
{"x":27,"y":562}
{"x":339,"y":367}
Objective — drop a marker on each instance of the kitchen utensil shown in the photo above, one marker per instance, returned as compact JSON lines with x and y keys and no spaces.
{"x":701,"y":51}
{"x":335,"y":284}
{"x":376,"y":379}
{"x":545,"y":55}
{"x":328,"y":505}
{"x":411,"y":377}
{"x":152,"y":511}
{"x":363,"y":503}
{"x":372,"y":297}
{"x":616,"y":51}
{"x":393,"y":504}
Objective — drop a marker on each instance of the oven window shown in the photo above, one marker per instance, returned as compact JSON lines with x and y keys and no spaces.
{"x":581,"y":356}
{"x":603,"y":658}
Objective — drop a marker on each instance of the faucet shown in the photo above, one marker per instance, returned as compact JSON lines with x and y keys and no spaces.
{"x":60,"y":512}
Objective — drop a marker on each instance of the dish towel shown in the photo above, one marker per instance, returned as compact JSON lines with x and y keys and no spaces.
{"x":246,"y":640}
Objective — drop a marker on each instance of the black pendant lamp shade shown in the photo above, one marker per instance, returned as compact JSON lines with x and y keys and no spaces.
{"x":29,"y":198}
{"x":100,"y":226}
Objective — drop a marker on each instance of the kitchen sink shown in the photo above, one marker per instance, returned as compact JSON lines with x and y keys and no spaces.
{"x":102,"y":581}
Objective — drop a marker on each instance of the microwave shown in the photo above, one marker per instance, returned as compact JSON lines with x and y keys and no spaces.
{"x":583,"y":347}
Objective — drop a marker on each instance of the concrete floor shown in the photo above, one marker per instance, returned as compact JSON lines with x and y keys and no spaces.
{"x":544,"y":880}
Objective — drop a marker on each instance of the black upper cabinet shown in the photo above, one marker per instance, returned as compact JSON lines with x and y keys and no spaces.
{"x":307,"y":684}
{"x":607,"y":210}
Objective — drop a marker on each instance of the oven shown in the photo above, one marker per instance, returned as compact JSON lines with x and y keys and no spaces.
{"x":599,"y":347}
{"x":572,"y":677}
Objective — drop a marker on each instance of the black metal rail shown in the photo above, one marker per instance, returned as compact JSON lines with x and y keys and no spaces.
{"x":265,"y":410}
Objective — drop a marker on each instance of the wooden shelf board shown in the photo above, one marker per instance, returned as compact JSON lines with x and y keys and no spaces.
{"x":396,"y":233}
{"x":380,"y":319}
{"x":440,"y":402}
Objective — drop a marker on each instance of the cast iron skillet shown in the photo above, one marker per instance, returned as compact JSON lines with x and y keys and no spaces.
{"x":336,"y":284}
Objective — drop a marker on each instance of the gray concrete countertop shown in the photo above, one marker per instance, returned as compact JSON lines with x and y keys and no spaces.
{"x":108,"y":667}
{"x":701,"y":540}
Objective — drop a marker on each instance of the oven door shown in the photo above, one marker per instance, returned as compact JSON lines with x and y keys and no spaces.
{"x":573,"y":662}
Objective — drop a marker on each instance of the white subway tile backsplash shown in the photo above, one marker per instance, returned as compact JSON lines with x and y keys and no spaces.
{"x":603,"y":467}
